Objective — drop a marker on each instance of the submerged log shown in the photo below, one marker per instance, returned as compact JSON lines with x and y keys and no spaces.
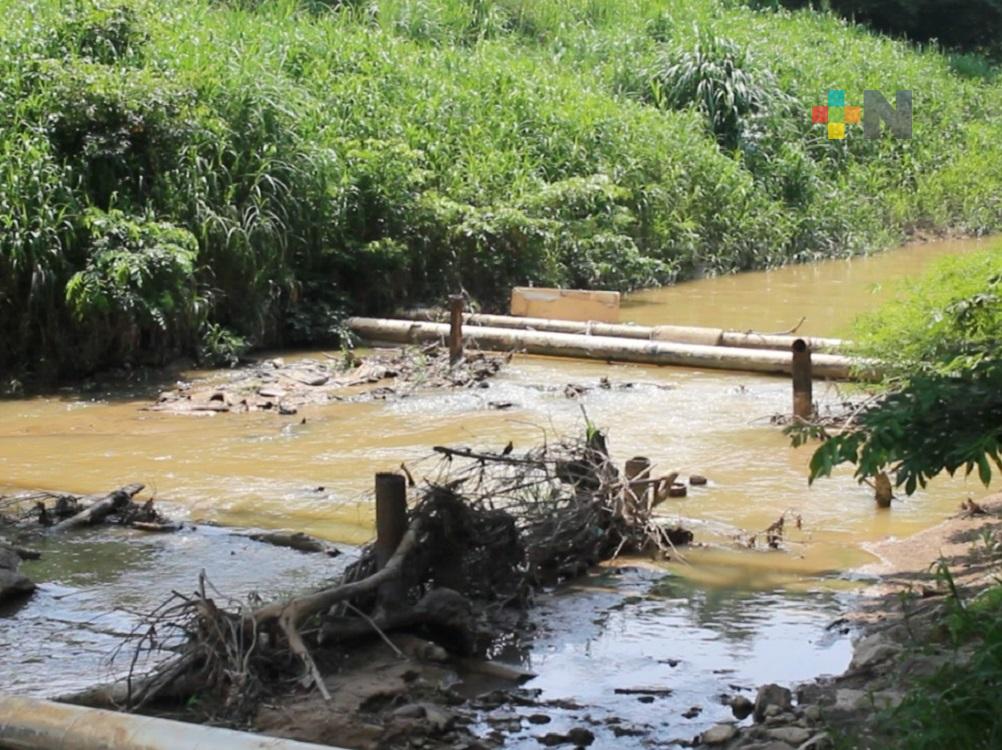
{"x":678,"y":334}
{"x":611,"y":349}
{"x":296,"y":540}
{"x":110,"y":503}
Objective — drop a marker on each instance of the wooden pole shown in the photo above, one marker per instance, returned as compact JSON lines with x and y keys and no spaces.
{"x":391,"y":514}
{"x":607,"y":348}
{"x":803,"y":385}
{"x":678,"y":334}
{"x":455,"y":328}
{"x":391,"y":525}
{"x":882,"y":490}
{"x":637,"y":470}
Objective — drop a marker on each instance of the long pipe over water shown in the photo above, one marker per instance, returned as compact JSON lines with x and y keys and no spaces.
{"x":33,"y":724}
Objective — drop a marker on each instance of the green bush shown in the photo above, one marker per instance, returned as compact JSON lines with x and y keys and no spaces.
{"x":136,"y":292}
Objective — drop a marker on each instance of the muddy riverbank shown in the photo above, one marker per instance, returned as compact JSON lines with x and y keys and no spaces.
{"x":901,"y":637}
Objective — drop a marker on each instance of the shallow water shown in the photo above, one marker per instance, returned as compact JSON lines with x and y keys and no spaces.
{"x":95,"y":585}
{"x":638,"y":629}
{"x":265,"y":470}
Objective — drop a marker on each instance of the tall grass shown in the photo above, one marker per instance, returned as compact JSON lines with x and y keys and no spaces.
{"x":334,"y":156}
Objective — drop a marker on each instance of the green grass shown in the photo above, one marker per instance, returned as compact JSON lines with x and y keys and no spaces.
{"x":327,"y":157}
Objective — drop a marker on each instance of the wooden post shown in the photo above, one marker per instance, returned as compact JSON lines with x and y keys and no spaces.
{"x":637,"y":469}
{"x":391,"y":525}
{"x":803,"y":395}
{"x":882,"y":491}
{"x":455,"y":328}
{"x":391,"y":514}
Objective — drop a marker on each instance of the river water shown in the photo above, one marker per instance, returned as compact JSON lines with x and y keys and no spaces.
{"x":731,"y":616}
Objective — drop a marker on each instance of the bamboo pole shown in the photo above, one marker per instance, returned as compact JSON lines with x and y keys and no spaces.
{"x":608,"y":348}
{"x":679,"y":334}
{"x":33,"y":724}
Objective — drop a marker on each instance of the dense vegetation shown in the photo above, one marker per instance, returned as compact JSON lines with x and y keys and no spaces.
{"x":939,"y":343}
{"x":182,"y":176}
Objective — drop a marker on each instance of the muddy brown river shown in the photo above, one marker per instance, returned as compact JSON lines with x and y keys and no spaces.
{"x":726,"y":616}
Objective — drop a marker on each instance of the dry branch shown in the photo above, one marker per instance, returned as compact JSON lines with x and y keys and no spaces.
{"x":485,"y":531}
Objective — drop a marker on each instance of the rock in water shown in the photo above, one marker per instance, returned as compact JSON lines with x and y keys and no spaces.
{"x":741,"y":707}
{"x":772,"y":695}
{"x":581,"y":737}
{"x":12,"y":583}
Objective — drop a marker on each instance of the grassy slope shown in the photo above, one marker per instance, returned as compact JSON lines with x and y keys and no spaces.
{"x":319,"y":161}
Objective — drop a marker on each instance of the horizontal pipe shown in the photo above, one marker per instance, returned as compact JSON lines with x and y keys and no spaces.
{"x":34,"y":724}
{"x":679,"y":334}
{"x":605,"y":348}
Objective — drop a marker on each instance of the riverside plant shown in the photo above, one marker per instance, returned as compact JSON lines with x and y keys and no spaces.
{"x":265,"y":168}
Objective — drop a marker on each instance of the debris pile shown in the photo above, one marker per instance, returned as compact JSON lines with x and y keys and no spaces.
{"x":282,"y":387}
{"x":63,"y":511}
{"x":483,"y":532}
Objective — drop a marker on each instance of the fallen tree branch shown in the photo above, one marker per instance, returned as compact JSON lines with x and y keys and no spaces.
{"x":110,"y":503}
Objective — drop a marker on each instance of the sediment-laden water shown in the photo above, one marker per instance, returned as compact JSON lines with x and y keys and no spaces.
{"x":727,"y":616}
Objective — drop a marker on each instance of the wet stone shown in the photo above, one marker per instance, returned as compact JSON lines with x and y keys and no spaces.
{"x":719,"y":735}
{"x":819,"y":742}
{"x":772,"y":695}
{"x":741,"y":706}
{"x":790,"y":735}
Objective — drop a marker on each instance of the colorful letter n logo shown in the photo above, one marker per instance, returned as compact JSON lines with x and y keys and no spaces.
{"x":838,"y":115}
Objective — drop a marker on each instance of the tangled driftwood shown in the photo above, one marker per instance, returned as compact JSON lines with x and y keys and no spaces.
{"x":65,"y":511}
{"x":484,"y":530}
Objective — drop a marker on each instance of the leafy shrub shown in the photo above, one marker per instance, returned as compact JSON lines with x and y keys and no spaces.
{"x":220,"y":347}
{"x":105,"y":33}
{"x":120,"y":129}
{"x":136,"y":291}
{"x":721,"y":80}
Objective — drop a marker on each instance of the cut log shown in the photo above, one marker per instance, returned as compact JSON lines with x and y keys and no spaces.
{"x":611,"y":349}
{"x":101,"y":509}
